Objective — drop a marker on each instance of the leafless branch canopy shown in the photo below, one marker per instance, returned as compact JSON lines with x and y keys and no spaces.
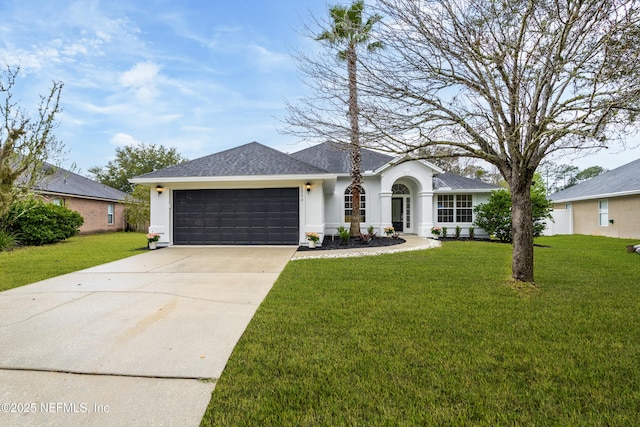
{"x":507,"y":81}
{"x":26,"y":141}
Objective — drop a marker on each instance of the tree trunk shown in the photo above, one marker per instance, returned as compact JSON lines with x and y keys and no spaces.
{"x":356,"y":155}
{"x":522,"y":229}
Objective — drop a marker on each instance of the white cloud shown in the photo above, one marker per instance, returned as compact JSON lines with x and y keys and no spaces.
{"x":268,"y":60}
{"x":142,"y":80}
{"x":122,"y":139}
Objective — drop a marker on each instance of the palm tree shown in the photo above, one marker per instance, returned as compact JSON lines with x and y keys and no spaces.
{"x":348,"y":31}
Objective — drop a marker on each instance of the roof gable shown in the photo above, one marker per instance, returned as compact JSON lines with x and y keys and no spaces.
{"x":336,"y":158}
{"x":625,"y":179}
{"x":252,"y":159}
{"x":64,"y":182}
{"x":456,"y":182}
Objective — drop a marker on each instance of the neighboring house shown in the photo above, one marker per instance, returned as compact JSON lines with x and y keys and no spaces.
{"x":101,"y":206}
{"x":606,"y":205}
{"x":254,"y":194}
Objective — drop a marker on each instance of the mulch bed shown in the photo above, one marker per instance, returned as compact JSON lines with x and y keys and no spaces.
{"x":354,"y":243}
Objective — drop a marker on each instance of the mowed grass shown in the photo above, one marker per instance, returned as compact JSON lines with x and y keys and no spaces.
{"x":441,"y":337}
{"x":31,"y":264}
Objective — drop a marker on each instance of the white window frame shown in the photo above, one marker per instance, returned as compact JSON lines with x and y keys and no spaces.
{"x":111,"y":214}
{"x":348,"y":205}
{"x":603,"y":213}
{"x":448,"y":206}
{"x":462,"y":200}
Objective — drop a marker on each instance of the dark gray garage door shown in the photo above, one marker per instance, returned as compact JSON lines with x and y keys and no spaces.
{"x":236,"y":217}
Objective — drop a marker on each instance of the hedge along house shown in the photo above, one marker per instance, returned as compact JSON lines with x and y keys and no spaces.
{"x":605,"y":205}
{"x":256,"y":195}
{"x":101,"y":206}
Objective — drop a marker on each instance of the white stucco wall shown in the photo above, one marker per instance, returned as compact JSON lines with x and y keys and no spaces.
{"x":334,"y":205}
{"x":419,"y":179}
{"x":160,"y":205}
{"x":322,"y":208}
{"x":477,"y":199}
{"x":312,"y":211}
{"x":378,"y":190}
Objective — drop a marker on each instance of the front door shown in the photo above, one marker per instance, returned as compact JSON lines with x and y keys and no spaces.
{"x":397,"y":214}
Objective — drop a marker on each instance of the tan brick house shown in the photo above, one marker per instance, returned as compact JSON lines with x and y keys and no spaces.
{"x":101,"y":206}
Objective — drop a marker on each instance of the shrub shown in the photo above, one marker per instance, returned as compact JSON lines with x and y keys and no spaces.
{"x":472,"y":233}
{"x":36,"y":223}
{"x":495,"y":215}
{"x":344,"y":234}
{"x":7,"y":241}
{"x":444,"y":232}
{"x":458,"y":231}
{"x":366,"y":238}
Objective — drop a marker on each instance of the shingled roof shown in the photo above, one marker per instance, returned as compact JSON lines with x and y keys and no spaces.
{"x":457,"y":182}
{"x":335,"y":158}
{"x":251,"y":159}
{"x":623,"y":180}
{"x":66,"y":183}
{"x":255,"y":159}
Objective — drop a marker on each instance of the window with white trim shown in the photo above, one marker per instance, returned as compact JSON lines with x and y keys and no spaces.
{"x":455,"y":208}
{"x":446,"y":204}
{"x":111,"y":214}
{"x":464,"y":208}
{"x":348,"y":205}
{"x":603,"y":213}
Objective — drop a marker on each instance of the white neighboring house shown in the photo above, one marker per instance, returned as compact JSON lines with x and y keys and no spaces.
{"x":256,"y":195}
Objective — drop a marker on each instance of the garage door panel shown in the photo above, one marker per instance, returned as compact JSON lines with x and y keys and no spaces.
{"x":212,"y":221}
{"x":241,"y":216}
{"x":258,"y":222}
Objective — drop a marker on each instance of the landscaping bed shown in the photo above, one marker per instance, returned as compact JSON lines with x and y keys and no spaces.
{"x":332,"y":243}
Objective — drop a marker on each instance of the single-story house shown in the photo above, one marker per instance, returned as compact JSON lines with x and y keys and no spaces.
{"x":101,"y":206}
{"x":606,"y":205}
{"x":257,"y":195}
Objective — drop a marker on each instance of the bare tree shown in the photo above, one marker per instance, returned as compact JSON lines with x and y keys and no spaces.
{"x":322,"y":116}
{"x":26,"y":141}
{"x":506,"y":81}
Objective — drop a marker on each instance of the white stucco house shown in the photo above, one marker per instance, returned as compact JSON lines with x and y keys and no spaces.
{"x":256,"y":195}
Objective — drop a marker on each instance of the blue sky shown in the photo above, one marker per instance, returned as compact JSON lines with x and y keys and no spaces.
{"x":201,"y":76}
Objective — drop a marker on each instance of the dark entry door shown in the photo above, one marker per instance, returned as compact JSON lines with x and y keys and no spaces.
{"x":236,"y":217}
{"x":397,"y":213}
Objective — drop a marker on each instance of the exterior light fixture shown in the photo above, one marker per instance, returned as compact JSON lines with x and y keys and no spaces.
{"x":308,"y":185}
{"x":159,"y":189}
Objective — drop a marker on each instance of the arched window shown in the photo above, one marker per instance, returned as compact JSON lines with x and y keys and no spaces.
{"x":348,"y":205}
{"x":400,"y":189}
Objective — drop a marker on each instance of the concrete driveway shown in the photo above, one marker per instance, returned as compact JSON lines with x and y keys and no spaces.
{"x":139,"y":341}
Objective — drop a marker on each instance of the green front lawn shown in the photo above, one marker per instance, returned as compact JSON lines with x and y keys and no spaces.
{"x":31,"y":264}
{"x":440,"y":337}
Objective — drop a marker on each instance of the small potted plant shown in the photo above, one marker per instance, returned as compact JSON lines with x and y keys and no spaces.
{"x":436,"y":231}
{"x":313,"y":238}
{"x":389,"y":231}
{"x":152,"y":240}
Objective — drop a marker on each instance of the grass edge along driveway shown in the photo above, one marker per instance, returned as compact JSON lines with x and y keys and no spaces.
{"x":439,"y":337}
{"x":34,"y":263}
